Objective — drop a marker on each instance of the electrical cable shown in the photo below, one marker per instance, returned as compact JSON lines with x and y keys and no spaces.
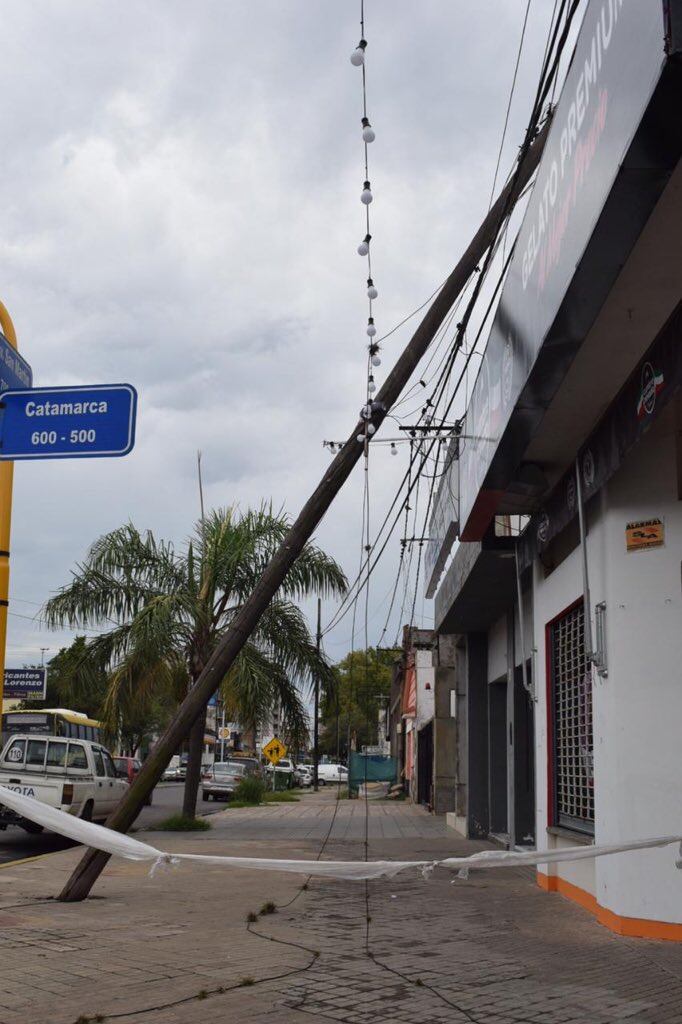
{"x":509,"y":104}
{"x":542,"y":90}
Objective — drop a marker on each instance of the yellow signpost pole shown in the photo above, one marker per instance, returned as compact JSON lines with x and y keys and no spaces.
{"x":6,"y":478}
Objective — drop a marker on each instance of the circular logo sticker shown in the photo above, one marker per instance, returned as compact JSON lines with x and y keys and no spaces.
{"x":571,"y":495}
{"x":588,"y":468}
{"x":648,"y":388}
{"x":543,"y":528}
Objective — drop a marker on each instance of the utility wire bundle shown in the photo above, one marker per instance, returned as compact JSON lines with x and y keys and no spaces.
{"x":441,"y":399}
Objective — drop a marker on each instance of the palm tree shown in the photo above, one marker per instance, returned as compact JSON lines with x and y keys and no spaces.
{"x":162,"y":613}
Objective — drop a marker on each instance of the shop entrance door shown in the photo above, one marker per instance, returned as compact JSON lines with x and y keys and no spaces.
{"x":425,"y":765}
{"x":497,"y":774}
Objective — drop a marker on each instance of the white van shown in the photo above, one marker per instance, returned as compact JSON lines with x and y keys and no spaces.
{"x":76,"y":776}
{"x":330,"y":773}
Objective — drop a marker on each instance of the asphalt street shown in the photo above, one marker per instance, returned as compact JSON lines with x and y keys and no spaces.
{"x":15,"y":844}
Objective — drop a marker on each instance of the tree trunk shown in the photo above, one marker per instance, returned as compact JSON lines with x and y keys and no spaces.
{"x":93,"y":861}
{"x":249,"y":739}
{"x":193,"y":777}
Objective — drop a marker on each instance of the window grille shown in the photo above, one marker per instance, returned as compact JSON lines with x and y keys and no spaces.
{"x":572,"y":714}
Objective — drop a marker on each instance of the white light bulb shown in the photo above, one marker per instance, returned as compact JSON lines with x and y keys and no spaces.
{"x":371,"y":387}
{"x":368,"y":133}
{"x":357,"y":57}
{"x":370,"y":428}
{"x":372,"y":293}
{"x":376,"y":360}
{"x":366,"y":194}
{"x":394,"y":450}
{"x":371,"y":330}
{"x":363,"y":248}
{"x":360,"y":438}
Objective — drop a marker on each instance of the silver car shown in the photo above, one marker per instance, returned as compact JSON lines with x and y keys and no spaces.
{"x":303,"y":775}
{"x":221,"y":780}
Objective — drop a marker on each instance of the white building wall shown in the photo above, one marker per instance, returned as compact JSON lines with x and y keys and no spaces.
{"x":426,"y":683}
{"x":497,"y":650}
{"x":637,"y":709}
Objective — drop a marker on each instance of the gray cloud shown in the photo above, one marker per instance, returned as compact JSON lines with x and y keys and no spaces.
{"x":180,"y":209}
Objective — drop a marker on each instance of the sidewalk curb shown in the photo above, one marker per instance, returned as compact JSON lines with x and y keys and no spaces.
{"x":27,"y":860}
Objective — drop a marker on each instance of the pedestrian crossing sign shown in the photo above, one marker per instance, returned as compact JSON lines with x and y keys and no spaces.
{"x":274,"y":751}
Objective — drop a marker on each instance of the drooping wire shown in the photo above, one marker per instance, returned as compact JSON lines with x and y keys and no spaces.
{"x":509,"y":103}
{"x":550,"y":67}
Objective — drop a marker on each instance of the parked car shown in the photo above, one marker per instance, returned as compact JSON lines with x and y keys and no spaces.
{"x":303,"y":775}
{"x":330,"y":773}
{"x":222,"y":779}
{"x":127,"y":768}
{"x":251,"y":764}
{"x":76,"y":776}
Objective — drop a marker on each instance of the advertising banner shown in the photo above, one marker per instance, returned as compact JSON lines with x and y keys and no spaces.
{"x":651,"y":386}
{"x":616,"y":66}
{"x":444,"y":522}
{"x":25,"y":683}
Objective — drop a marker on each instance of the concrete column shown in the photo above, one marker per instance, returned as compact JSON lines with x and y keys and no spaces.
{"x":445,"y":725}
{"x":511,"y":731}
{"x":478,"y":806}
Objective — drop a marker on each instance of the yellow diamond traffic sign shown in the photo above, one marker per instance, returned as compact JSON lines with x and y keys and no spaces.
{"x":274,"y":750}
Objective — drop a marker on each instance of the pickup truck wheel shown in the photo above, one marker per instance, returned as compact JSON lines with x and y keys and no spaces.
{"x":86,"y":813}
{"x":321,"y":782}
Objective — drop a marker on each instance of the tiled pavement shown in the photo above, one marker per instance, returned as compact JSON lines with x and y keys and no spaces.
{"x":490,"y":950}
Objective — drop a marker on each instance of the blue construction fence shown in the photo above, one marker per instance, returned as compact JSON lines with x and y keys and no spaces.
{"x":371,"y":768}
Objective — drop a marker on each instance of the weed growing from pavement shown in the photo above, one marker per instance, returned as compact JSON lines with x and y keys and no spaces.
{"x":178,"y":823}
{"x":269,"y":908}
{"x":251,"y":917}
{"x":247,"y":981}
{"x":250,"y":791}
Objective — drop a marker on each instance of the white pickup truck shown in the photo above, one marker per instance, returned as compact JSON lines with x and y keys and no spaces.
{"x":77,"y":776}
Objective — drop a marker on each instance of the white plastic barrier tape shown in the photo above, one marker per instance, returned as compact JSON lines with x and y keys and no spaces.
{"x":124,"y":846}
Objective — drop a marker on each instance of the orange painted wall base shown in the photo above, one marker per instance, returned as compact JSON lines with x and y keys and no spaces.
{"x":634,"y":927}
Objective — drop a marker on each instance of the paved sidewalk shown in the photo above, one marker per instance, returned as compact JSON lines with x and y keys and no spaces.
{"x":176,"y":948}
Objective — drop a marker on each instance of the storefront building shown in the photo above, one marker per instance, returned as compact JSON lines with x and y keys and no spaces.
{"x":559,"y":614}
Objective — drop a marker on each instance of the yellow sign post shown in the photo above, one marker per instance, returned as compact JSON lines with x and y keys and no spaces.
{"x":274,"y":751}
{"x":6,"y":478}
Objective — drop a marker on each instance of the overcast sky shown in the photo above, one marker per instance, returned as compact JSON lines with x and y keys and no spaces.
{"x":180,"y":210}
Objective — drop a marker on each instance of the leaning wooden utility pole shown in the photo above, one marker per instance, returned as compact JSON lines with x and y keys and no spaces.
{"x":93,"y":861}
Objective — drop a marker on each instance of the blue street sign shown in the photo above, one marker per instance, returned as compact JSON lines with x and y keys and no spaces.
{"x":67,"y":423}
{"x":15,"y":372}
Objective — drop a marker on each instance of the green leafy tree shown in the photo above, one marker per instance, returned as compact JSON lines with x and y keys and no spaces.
{"x":164,"y":611}
{"x":67,"y":688}
{"x":351,"y":709}
{"x":74,"y":682}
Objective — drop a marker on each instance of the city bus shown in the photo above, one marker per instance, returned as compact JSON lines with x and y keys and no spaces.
{"x":51,"y":722}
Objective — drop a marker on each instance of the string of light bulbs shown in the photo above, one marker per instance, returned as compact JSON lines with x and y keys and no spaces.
{"x":358,"y":59}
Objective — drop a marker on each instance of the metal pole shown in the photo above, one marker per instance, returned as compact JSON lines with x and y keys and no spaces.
{"x":522,"y":626}
{"x":6,"y":480}
{"x":316,"y":712}
{"x":587,"y":612}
